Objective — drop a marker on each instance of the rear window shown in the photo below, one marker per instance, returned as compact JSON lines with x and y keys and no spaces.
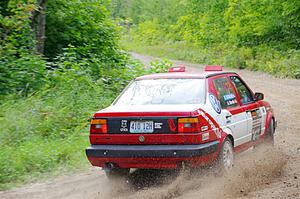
{"x":163,"y":91}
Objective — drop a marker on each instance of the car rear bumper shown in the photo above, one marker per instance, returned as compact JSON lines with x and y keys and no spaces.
{"x":152,"y":156}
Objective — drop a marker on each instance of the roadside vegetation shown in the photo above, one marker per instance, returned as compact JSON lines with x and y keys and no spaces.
{"x":59,"y":62}
{"x":254,"y":34}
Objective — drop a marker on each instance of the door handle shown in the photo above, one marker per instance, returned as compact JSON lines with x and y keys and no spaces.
{"x":228,"y":116}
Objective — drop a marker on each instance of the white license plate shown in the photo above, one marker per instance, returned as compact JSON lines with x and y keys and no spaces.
{"x":141,"y":127}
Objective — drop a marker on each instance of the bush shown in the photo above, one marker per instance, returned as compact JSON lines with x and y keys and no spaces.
{"x":44,"y":131}
{"x":21,"y":69}
{"x":149,"y":32}
{"x":49,"y":129}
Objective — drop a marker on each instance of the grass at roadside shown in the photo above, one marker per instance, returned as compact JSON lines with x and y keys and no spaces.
{"x":262,"y":58}
{"x":48,"y":131}
{"x":40,"y":159}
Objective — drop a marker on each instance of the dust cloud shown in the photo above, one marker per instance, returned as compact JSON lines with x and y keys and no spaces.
{"x":253,"y":170}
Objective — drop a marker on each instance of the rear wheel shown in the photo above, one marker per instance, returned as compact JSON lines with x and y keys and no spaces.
{"x":225,"y":159}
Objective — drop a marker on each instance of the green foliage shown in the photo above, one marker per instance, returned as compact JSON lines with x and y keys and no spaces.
{"x":149,"y":32}
{"x":21,"y":68}
{"x":42,"y":132}
{"x":82,"y":24}
{"x":264,"y":21}
{"x":255,"y":34}
{"x":159,"y":66}
{"x":166,"y":11}
{"x":261,"y":58}
{"x":46,"y":100}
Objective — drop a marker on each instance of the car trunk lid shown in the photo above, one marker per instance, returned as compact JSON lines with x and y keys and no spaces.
{"x":149,"y":119}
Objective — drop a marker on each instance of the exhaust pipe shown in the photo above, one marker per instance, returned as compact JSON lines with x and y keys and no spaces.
{"x":110,"y":165}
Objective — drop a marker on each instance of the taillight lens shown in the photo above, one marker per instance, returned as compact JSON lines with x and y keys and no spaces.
{"x":98,"y":126}
{"x":189,"y":125}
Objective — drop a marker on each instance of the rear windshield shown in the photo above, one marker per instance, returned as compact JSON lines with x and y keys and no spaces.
{"x":163,"y":91}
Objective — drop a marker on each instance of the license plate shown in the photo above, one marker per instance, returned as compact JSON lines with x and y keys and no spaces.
{"x":141,"y":127}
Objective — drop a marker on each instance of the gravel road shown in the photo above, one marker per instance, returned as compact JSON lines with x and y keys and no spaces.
{"x":262,"y":173}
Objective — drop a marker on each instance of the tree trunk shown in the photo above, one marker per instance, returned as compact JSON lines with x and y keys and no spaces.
{"x":39,"y":25}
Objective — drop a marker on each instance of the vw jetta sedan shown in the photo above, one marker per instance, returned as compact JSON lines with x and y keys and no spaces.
{"x":162,"y":121}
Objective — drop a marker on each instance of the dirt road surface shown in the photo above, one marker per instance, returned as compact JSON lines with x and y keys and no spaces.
{"x":263,"y":173}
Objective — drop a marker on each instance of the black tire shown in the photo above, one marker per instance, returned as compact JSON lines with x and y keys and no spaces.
{"x":116,"y":173}
{"x":226,"y":156}
{"x":269,"y":139}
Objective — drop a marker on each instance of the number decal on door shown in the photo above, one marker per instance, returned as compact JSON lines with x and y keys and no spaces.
{"x":256,"y":123}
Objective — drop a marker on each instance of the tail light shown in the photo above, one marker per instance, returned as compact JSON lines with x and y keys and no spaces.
{"x":189,"y":125}
{"x":98,"y":126}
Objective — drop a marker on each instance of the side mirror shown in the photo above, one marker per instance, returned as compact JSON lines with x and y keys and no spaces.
{"x":259,"y":96}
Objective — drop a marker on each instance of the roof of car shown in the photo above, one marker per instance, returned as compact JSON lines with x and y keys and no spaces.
{"x":184,"y":75}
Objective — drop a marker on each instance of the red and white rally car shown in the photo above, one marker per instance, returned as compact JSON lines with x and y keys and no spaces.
{"x":165,"y":120}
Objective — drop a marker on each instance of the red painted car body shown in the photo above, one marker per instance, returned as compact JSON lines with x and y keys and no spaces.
{"x":192,"y":134}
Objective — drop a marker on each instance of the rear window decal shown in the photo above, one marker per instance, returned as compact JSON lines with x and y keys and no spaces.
{"x":229,"y":96}
{"x":231,"y":102}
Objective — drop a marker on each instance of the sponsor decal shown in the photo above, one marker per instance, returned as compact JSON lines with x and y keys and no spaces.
{"x":230,"y":99}
{"x":158,"y":125}
{"x":124,"y":125}
{"x":256,"y":123}
{"x":213,"y":127}
{"x":204,"y":128}
{"x":172,"y":125}
{"x":229,"y":96}
{"x":205,"y":136}
{"x":231,"y":102}
{"x":215,"y":103}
